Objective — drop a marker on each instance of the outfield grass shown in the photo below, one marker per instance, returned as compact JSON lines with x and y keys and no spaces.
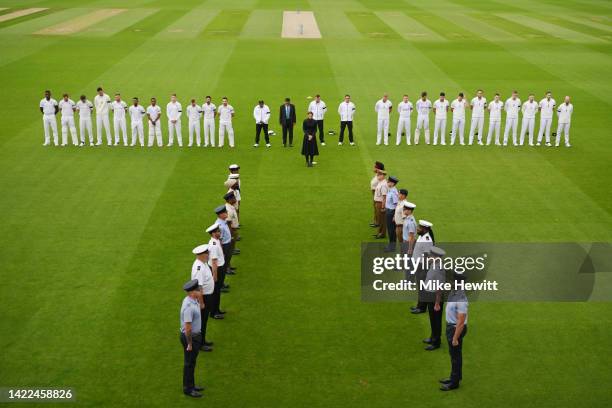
{"x":95,"y":243}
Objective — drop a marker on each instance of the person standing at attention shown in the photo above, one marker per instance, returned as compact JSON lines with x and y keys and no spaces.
{"x":287,"y":119}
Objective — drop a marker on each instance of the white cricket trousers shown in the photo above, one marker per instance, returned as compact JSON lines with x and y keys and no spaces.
{"x":458,"y":125}
{"x":85,"y":125}
{"x":155,"y":133}
{"x":209,"y":132}
{"x":403,"y":125}
{"x":440,"y":127}
{"x":494,"y":125}
{"x":545,"y":123}
{"x":527,"y":123}
{"x":422,"y":124}
{"x":476,"y":122}
{"x":194,"y":127}
{"x":563,"y":127}
{"x":103,"y":120}
{"x":511,"y":123}
{"x":137,"y":130}
{"x":172,"y":127}
{"x":383,"y":126}
{"x":223,"y":126}
{"x":68,"y":123}
{"x":50,"y":123}
{"x":119,"y":124}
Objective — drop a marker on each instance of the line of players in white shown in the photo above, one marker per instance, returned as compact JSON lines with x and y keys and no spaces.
{"x":478,"y":105}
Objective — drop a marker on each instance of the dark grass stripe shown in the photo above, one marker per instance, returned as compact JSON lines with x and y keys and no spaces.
{"x":227,"y":24}
{"x":152,"y":24}
{"x":371,"y":25}
{"x":22,"y":19}
{"x":442,"y":26}
{"x":520,"y":30}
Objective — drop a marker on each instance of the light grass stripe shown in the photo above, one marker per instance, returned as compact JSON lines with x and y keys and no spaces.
{"x":551,"y":29}
{"x":111,"y":26}
{"x":585,"y":20}
{"x":335,"y":24}
{"x":263,"y":24}
{"x":190,"y":25}
{"x":407,"y":27}
{"x":80,"y":23}
{"x":33,"y":25}
{"x":480,"y":28}
{"x":21,"y":13}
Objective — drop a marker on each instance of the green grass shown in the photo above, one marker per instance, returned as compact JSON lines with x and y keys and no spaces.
{"x":95,"y":243}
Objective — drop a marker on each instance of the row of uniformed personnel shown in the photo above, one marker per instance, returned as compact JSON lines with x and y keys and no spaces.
{"x":394,"y":215}
{"x":208,"y":273}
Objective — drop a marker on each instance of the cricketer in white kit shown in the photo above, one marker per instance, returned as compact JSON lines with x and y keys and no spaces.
{"x":529,"y":109}
{"x":102,"y":104}
{"x":154,"y":115}
{"x":194,"y":113}
{"x":119,"y":121}
{"x":137,"y":113}
{"x":49,"y":108}
{"x":564,"y":115}
{"x":85,"y":107}
{"x":226,"y":113}
{"x":67,"y":107}
{"x":547,"y":107}
{"x":458,"y":107}
{"x":174,"y":110}
{"x":383,"y":109}
{"x":404,"y":110}
{"x":209,"y":111}
{"x":423,"y":107}
{"x":478,"y":105}
{"x":440,"y":109}
{"x":512,"y":107}
{"x":495,"y":109}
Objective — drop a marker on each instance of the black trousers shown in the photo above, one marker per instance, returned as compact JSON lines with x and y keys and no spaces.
{"x":455,"y":353}
{"x":321,"y":134}
{"x":209,"y":302}
{"x":258,"y":128}
{"x":228,"y":250}
{"x":343,"y":125}
{"x":189,"y":359}
{"x":287,"y":130}
{"x":435,"y":322}
{"x":216,"y":300}
{"x":389,"y":215}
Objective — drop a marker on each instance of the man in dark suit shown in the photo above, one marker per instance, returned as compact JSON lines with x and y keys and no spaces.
{"x":287,"y":120}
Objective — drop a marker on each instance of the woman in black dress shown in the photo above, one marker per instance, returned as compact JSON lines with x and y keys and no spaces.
{"x":309,"y":145}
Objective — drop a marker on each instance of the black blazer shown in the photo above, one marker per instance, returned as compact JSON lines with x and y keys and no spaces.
{"x":282,"y":117}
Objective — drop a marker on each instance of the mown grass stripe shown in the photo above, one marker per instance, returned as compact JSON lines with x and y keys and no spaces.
{"x":407,"y":27}
{"x":152,"y":24}
{"x":371,"y":26}
{"x":27,"y":17}
{"x":226,"y":24}
{"x":551,"y":29}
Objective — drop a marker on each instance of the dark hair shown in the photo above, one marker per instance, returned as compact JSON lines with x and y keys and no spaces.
{"x":225,"y":97}
{"x":287,"y":100}
{"x":479,"y":90}
{"x":379,"y":165}
{"x":424,"y":93}
{"x":461,"y":94}
{"x":193,"y":100}
{"x":83,"y":97}
{"x":117,"y":94}
{"x":47,"y":91}
{"x":64,"y":95}
{"x":99,"y":89}
{"x":347,"y":95}
{"x":135,"y":98}
{"x":496,"y":94}
{"x":442,"y":94}
{"x":207,"y":96}
{"x":317,"y":96}
{"x":261,"y":101}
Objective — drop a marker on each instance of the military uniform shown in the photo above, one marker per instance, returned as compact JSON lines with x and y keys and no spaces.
{"x":201,"y":271}
{"x":391,"y":200}
{"x":456,"y":306}
{"x":433,"y":300}
{"x":191,"y":338}
{"x":216,"y":254}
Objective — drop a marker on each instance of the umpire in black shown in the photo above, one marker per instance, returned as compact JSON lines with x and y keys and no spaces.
{"x":287,"y":120}
{"x":191,"y":337}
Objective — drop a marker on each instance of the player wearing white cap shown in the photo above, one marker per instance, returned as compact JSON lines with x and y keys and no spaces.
{"x":261,"y":113}
{"x":383,"y":109}
{"x":154,"y":115}
{"x":423,"y":106}
{"x":440,"y":109}
{"x":49,"y":108}
{"x":404,"y":109}
{"x":206,"y":282}
{"x":547,"y":107}
{"x":102,"y":104}
{"x":478,"y":105}
{"x":119,"y":121}
{"x":67,"y":107}
{"x":174,"y":110}
{"x":85,"y":107}
{"x":137,"y":112}
{"x":529,"y":109}
{"x":458,"y":107}
{"x":564,"y":114}
{"x":512,"y":107}
{"x":495,"y":109}
{"x":209,"y":111}
{"x":194,"y":113}
{"x":226,"y":113}
{"x":318,"y":109}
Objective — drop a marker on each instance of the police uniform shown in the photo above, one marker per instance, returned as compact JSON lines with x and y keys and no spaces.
{"x":456,"y":304}
{"x":422,"y":246}
{"x":398,"y":216}
{"x":391,"y":200}
{"x":433,"y":299}
{"x":215,"y":251}
{"x":201,"y":271}
{"x":409,"y":227}
{"x":478,"y":107}
{"x":190,"y":314}
{"x":48,"y":107}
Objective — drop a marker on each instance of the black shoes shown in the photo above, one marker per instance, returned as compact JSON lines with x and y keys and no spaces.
{"x":208,"y":343}
{"x":193,"y":394}
{"x":449,"y":387}
{"x":206,"y":348}
{"x":427,"y":340}
{"x":374,"y":225}
{"x":432,"y":347}
{"x":230,"y":272}
{"x":445,"y":381}
{"x":218,"y":316}
{"x":416,"y":310}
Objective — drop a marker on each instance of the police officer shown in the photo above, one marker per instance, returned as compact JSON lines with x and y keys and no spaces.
{"x":456,"y":329}
{"x":410,"y":229}
{"x":226,"y":242}
{"x":424,"y":242}
{"x":391,"y":200}
{"x":191,"y":337}
{"x":202,"y":272}
{"x":433,"y":297}
{"x":232,"y":223}
{"x":216,"y":261}
{"x":398,"y":217}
